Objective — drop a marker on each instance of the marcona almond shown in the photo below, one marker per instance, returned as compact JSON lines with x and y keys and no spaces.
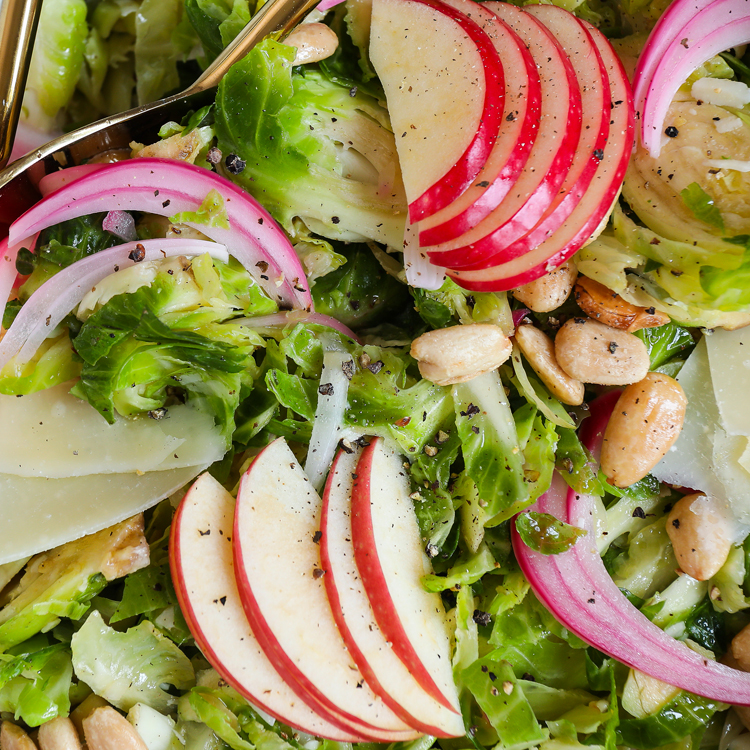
{"x":591,"y":352}
{"x":599,"y":302}
{"x":548,"y":292}
{"x":58,"y":734}
{"x":106,"y":729}
{"x":459,"y":353}
{"x":645,"y":422}
{"x":12,"y":737}
{"x":314,"y":42}
{"x":539,"y":350}
{"x":84,"y":709}
{"x":700,"y":533}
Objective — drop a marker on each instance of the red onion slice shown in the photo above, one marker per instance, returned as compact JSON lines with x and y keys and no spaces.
{"x":282,"y":319}
{"x":58,"y":296}
{"x":8,"y":273}
{"x":687,"y":48}
{"x":592,"y":428}
{"x":166,"y":187}
{"x":519,"y":315}
{"x":55,"y":180}
{"x":577,"y":589}
{"x":664,"y":32}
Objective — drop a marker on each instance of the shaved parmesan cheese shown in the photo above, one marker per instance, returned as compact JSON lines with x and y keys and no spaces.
{"x":735,"y":164}
{"x":39,"y":513}
{"x":53,"y":434}
{"x":721,"y":92}
{"x":728,"y":452}
{"x":712,"y":453}
{"x":728,"y":124}
{"x":689,"y":462}
{"x":729,"y":360}
{"x":65,"y":472}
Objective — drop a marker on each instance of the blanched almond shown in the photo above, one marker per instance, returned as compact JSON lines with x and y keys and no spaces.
{"x":459,"y":353}
{"x":539,"y":350}
{"x":106,"y":729}
{"x":548,"y":292}
{"x":84,"y":709}
{"x":591,"y":352}
{"x":644,"y":425}
{"x":12,"y":737}
{"x":314,"y":42}
{"x":700,"y":532}
{"x":58,"y":734}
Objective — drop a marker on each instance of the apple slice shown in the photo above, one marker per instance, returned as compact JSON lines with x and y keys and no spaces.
{"x":549,"y":161}
{"x":279,"y":576}
{"x":200,"y":558}
{"x":375,"y":657}
{"x":595,"y":98}
{"x":391,"y":562}
{"x":445,"y":87}
{"x":520,"y":125}
{"x":590,"y":212}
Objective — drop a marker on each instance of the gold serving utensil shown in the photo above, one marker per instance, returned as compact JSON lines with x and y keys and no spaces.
{"x":18,"y":181}
{"x":18,"y":22}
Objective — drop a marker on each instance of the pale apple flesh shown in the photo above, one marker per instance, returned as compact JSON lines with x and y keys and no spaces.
{"x":279,"y":576}
{"x":520,"y":125}
{"x":595,"y":96}
{"x":200,"y":553}
{"x":452,"y":92}
{"x":374,"y":655}
{"x":465,"y":171}
{"x":510,"y":227}
{"x":391,"y":563}
{"x":589,"y":213}
{"x":551,"y":155}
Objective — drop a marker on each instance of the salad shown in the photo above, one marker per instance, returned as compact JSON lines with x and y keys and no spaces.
{"x":241,"y":289}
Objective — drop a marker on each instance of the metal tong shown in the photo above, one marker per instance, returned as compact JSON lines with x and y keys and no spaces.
{"x":18,"y":181}
{"x":18,"y":22}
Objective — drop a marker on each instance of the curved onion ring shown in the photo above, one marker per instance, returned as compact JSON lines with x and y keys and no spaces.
{"x":678,"y":45}
{"x":58,"y":296}
{"x":577,"y":589}
{"x":282,"y":319}
{"x":166,"y":187}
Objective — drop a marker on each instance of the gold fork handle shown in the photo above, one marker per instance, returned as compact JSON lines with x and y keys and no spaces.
{"x":273,"y":17}
{"x":18,"y":22}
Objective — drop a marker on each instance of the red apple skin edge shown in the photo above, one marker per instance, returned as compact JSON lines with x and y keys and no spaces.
{"x":498,"y":247}
{"x":359,"y":657}
{"x":514,"y":143}
{"x":175,"y":553}
{"x":462,"y":174}
{"x":203,"y":643}
{"x":374,"y":579}
{"x":296,"y":680}
{"x":549,"y":161}
{"x":500,"y":278}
